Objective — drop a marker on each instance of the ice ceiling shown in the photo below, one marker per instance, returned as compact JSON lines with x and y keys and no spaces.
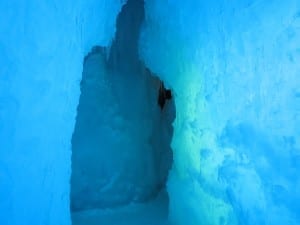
{"x":72,"y":70}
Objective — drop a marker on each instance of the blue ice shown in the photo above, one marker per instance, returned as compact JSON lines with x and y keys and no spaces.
{"x":82,"y":132}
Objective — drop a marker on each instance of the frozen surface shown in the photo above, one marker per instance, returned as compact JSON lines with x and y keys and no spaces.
{"x":235,"y":71}
{"x":121,"y":144}
{"x":42,"y":45}
{"x":154,"y":212}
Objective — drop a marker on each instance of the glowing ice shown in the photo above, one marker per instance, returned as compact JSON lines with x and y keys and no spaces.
{"x":235,"y":73}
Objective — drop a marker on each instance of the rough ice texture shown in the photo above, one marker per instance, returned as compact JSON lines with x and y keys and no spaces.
{"x":154,"y":212}
{"x":234,"y":68}
{"x":121,"y":143}
{"x":42,"y":45}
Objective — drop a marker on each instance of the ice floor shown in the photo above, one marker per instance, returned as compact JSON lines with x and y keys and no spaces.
{"x":154,"y":212}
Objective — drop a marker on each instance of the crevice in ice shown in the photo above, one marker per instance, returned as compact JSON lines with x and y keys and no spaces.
{"x":164,"y":95}
{"x":121,"y":150}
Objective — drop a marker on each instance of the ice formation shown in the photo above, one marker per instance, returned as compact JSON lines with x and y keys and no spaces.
{"x":118,"y":116}
{"x":235,"y":73}
{"x":42,"y":45}
{"x":233,"y":69}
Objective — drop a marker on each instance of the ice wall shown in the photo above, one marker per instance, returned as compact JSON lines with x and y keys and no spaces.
{"x":121,"y":150}
{"x":235,"y":73}
{"x":42,"y":45}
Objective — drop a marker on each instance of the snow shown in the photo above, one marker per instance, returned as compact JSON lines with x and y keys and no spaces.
{"x":42,"y":45}
{"x":154,"y":212}
{"x":108,"y":124}
{"x":235,"y":73}
{"x":121,"y":143}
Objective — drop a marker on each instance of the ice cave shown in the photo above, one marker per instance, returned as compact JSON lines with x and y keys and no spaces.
{"x":149,"y":112}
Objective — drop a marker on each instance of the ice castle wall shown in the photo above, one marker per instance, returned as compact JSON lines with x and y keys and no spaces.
{"x":42,"y":45}
{"x":234,"y":68}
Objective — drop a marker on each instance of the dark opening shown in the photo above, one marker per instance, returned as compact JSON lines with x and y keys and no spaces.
{"x":163,"y":95}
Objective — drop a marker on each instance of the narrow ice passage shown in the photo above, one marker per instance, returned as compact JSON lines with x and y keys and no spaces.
{"x":83,"y":140}
{"x":121,"y":151}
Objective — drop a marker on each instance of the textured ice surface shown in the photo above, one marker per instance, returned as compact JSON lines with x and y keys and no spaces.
{"x":42,"y":44}
{"x":235,"y":71}
{"x":121,"y":144}
{"x":154,"y":212}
